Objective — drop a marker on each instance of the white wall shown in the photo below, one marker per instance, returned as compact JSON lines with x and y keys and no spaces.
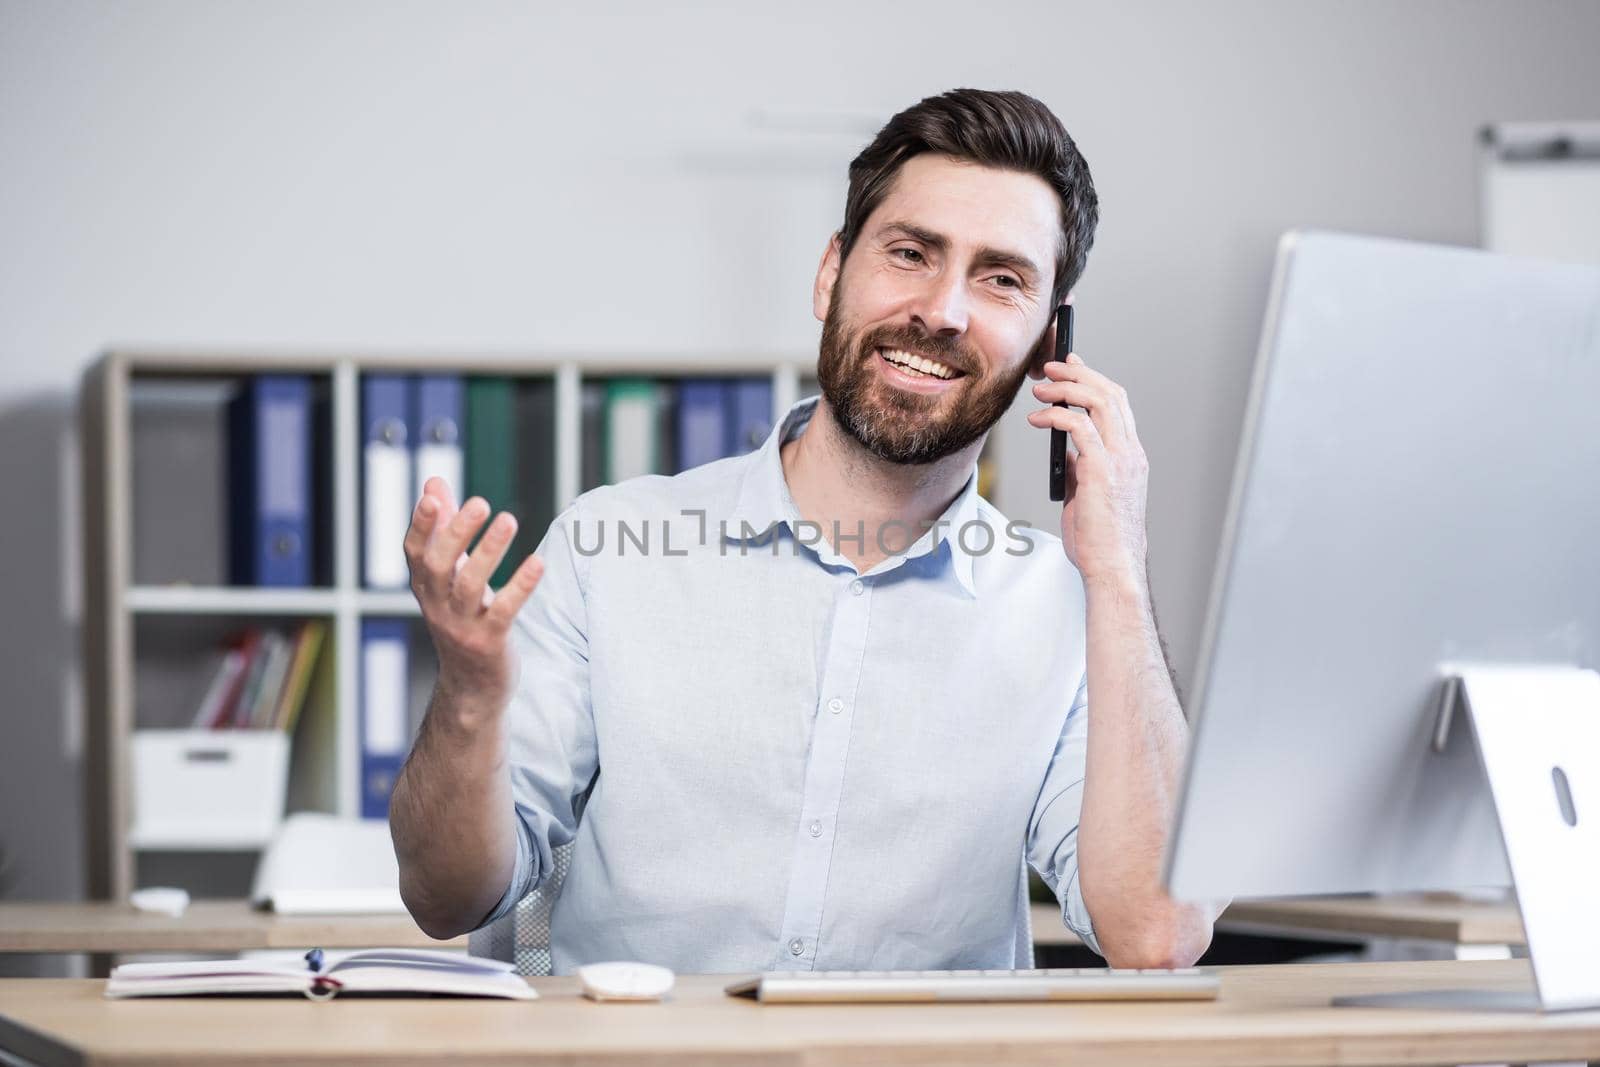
{"x":528,"y":177}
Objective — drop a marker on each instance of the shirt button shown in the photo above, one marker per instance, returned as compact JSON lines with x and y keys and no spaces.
{"x":797,"y":947}
{"x":836,"y":705}
{"x":816,"y":828}
{"x":857,"y":586}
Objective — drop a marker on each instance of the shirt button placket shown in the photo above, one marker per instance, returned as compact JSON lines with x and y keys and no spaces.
{"x":803,"y":907}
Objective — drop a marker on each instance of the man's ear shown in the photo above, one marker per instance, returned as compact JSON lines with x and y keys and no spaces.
{"x":827,"y":278}
{"x":1044,"y":351}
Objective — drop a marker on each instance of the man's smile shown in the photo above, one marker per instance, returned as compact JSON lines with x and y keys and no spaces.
{"x":917,"y":373}
{"x":937,"y":368}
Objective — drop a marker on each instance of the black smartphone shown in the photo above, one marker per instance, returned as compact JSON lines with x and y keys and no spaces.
{"x":1058,"y":438}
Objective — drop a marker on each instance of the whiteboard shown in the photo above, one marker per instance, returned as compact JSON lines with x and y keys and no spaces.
{"x":1541,"y":190}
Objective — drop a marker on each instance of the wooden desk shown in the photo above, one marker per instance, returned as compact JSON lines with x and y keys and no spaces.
{"x":1420,"y":916}
{"x":1266,"y":1015}
{"x":207,"y":926}
{"x":233,"y":926}
{"x":1442,"y":917}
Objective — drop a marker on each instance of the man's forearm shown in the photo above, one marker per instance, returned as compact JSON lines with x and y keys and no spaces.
{"x":1137,"y":740}
{"x":451,"y":818}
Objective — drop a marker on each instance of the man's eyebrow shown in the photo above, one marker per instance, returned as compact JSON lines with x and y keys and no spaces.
{"x":916,"y":233}
{"x":995,"y":257}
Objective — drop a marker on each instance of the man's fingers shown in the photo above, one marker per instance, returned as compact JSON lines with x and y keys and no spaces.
{"x":453,"y":537}
{"x":1075,"y":370}
{"x":1113,"y":397}
{"x":1102,"y":409}
{"x":472,"y":577}
{"x":427,"y":518}
{"x":488,"y":594}
{"x":424,"y":517}
{"x":1085,"y":437}
{"x":509,"y":600}
{"x":439,"y":489}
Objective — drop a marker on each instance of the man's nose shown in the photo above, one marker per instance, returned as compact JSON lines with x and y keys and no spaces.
{"x":942,"y":307}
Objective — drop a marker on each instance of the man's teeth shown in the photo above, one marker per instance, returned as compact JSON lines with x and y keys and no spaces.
{"x":926,"y":366}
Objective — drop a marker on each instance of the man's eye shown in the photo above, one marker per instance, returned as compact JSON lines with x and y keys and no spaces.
{"x":1010,"y":282}
{"x":911,"y":254}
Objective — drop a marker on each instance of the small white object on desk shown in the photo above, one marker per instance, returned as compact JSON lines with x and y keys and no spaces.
{"x":163,"y":900}
{"x":624,"y":980}
{"x":320,"y":864}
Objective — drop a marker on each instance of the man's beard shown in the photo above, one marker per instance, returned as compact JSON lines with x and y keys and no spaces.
{"x":898,"y":425}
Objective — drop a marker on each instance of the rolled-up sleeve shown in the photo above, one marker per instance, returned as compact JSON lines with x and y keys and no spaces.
{"x":552,"y":750}
{"x":1053,"y":829}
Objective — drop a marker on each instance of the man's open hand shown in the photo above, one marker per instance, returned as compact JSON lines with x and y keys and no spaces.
{"x":468,"y":621}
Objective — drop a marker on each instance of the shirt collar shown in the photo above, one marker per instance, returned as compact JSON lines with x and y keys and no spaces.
{"x":764,"y":502}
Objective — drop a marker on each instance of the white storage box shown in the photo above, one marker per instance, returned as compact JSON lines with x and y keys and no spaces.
{"x":200,"y":789}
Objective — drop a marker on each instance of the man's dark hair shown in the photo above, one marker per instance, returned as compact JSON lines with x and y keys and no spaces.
{"x":1007,"y":130}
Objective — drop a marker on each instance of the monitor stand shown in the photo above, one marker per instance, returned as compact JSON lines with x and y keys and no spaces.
{"x":1538,"y":736}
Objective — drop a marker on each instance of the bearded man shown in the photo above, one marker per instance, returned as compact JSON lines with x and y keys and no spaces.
{"x":827,"y":722}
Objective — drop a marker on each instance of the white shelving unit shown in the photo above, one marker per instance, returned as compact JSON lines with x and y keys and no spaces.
{"x":118,"y":610}
{"x":228,"y":600}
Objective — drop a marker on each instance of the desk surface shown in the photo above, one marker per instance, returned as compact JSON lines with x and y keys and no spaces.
{"x":232,"y":925}
{"x":1422,"y":916}
{"x":207,"y":926}
{"x":1442,"y":917}
{"x":1266,"y":1015}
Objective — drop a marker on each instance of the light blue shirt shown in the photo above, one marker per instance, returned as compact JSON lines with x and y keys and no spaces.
{"x":771,"y":762}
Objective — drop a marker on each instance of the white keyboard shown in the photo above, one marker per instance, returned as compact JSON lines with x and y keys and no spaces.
{"x":1078,"y":983}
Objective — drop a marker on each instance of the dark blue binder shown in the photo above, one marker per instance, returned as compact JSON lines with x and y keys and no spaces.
{"x":385,"y":713}
{"x":752,"y":415}
{"x":441,"y":410}
{"x":385,"y":415}
{"x":440,"y":451}
{"x":270,"y":482}
{"x":386,"y":439}
{"x":705,"y":412}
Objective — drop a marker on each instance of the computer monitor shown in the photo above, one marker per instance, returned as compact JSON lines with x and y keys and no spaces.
{"x":1418,"y":485}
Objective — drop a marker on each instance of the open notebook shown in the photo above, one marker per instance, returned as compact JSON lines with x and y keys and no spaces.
{"x":391,"y":971}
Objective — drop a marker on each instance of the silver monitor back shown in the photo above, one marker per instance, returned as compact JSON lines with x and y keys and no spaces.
{"x":1418,"y":483}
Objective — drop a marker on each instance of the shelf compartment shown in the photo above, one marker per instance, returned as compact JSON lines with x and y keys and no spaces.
{"x":181,"y":447}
